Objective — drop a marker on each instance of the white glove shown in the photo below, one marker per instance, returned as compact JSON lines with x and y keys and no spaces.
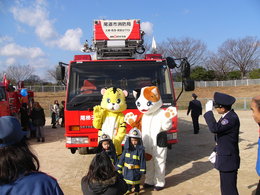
{"x":170,"y":112}
{"x":209,"y":106}
{"x":212,"y":157}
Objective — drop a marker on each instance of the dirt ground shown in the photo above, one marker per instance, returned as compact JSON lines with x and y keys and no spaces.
{"x":188,"y":171}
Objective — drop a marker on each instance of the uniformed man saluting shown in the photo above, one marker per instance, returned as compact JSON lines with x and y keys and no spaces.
{"x":226,"y":135}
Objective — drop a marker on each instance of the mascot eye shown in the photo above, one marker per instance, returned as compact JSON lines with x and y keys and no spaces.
{"x":108,"y":100}
{"x":118,"y":101}
{"x":138,"y":104}
{"x":149,"y":103}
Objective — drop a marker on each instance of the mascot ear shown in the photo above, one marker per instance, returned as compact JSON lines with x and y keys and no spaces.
{"x":156,"y":92}
{"x":125,"y":93}
{"x":136,"y":93}
{"x":103,"y":90}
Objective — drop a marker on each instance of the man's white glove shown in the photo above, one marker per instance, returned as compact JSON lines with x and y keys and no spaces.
{"x":212,"y":157}
{"x":209,"y":106}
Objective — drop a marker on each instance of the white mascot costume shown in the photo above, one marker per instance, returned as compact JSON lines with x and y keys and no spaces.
{"x":153,"y":122}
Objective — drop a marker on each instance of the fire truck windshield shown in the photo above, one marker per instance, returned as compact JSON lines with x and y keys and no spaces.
{"x":88,"y":78}
{"x":2,"y":94}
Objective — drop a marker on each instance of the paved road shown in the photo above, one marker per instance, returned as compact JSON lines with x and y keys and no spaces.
{"x":188,"y":170}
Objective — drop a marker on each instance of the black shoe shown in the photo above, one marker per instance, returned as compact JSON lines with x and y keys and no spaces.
{"x":157,"y":188}
{"x":54,"y":127}
{"x":38,"y":140}
{"x":43,"y":139}
{"x":146,"y":185}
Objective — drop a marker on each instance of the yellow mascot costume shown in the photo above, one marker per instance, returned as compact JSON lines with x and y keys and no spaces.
{"x":108,"y":116}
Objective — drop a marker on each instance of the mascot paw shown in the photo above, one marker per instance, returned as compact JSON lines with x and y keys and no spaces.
{"x":170,"y":112}
{"x":130,"y":118}
{"x":148,"y":156}
{"x":98,"y":111}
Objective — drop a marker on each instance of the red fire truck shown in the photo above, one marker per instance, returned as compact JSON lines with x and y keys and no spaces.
{"x":115,"y":43}
{"x":10,"y":98}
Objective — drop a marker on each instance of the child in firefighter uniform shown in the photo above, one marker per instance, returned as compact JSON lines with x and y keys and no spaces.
{"x":106,"y":145}
{"x":132,"y":160}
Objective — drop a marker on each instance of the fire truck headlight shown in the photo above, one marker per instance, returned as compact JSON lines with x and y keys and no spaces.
{"x":74,"y":128}
{"x":172,"y":136}
{"x":77,"y":140}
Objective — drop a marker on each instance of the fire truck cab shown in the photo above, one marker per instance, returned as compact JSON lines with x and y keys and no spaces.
{"x":115,"y":43}
{"x":10,"y":98}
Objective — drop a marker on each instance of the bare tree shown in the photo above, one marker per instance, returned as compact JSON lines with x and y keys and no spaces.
{"x":51,"y":74}
{"x":33,"y":79}
{"x":243,"y":54}
{"x":193,"y":49}
{"x":219,"y":64}
{"x":19,"y":72}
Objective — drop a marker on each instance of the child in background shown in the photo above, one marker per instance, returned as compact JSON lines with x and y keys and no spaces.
{"x":106,"y":145}
{"x":133,"y":160}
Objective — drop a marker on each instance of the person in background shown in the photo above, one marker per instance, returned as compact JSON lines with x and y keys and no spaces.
{"x":19,"y":166}
{"x":24,"y":96}
{"x":24,"y":116}
{"x":62,"y":113}
{"x":38,"y":120}
{"x":106,"y":145}
{"x":255,"y":107}
{"x":196,"y":110}
{"x":102,"y":178}
{"x":31,"y":127}
{"x":132,"y":160}
{"x":226,"y":132}
{"x":55,"y":109}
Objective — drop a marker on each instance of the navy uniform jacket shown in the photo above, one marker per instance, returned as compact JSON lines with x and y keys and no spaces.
{"x":135,"y":157}
{"x":195,"y":108}
{"x":35,"y":183}
{"x":226,"y":134}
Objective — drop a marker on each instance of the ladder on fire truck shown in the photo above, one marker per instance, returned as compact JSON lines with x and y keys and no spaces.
{"x":116,"y":39}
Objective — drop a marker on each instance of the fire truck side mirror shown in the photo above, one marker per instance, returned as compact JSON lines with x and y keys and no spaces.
{"x":185,"y":69}
{"x":60,"y":73}
{"x":189,"y":85}
{"x":170,"y":62}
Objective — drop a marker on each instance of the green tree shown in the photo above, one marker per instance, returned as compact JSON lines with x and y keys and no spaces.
{"x":233,"y":75}
{"x":254,"y":74}
{"x":199,"y":73}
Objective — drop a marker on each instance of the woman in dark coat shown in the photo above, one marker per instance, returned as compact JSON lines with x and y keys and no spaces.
{"x":38,"y":120}
{"x":102,"y":178}
{"x":24,"y":116}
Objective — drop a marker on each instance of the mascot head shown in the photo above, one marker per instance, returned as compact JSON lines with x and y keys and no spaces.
{"x":114,"y":99}
{"x":148,"y":99}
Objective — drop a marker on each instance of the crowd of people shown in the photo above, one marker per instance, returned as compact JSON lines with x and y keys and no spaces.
{"x":108,"y":173}
{"x":32,"y":117}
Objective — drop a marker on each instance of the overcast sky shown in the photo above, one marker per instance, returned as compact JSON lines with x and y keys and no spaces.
{"x":43,"y":32}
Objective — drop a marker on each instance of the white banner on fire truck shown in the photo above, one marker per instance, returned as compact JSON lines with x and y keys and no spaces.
{"x":117,"y":29}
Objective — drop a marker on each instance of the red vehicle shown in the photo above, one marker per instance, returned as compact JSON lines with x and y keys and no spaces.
{"x":10,"y":98}
{"x":116,"y":43}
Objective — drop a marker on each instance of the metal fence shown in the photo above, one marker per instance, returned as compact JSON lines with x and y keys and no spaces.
{"x":229,"y":83}
{"x":242,"y":103}
{"x":44,"y":88}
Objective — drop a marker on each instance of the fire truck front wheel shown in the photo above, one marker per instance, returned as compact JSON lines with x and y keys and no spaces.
{"x":73,"y":150}
{"x":83,"y":150}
